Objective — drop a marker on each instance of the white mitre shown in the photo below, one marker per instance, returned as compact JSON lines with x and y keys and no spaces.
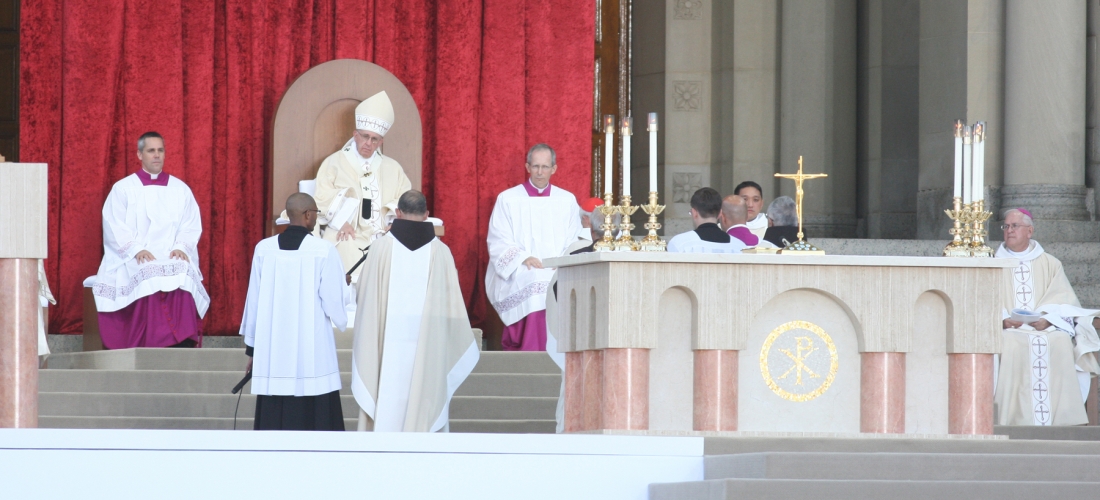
{"x":375,"y":114}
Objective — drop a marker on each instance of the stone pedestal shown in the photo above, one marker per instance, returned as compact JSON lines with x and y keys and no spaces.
{"x":23,"y":195}
{"x":814,"y":343}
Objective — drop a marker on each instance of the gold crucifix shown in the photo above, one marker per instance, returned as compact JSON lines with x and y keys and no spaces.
{"x":798,"y":178}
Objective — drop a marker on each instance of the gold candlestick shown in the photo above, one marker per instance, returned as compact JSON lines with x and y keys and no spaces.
{"x":652,"y":242}
{"x":978,"y":248}
{"x":607,"y":243}
{"x":626,"y":242}
{"x":958,"y":247}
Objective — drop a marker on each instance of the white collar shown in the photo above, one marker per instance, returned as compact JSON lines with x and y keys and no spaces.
{"x":760,"y":221}
{"x":1034,"y":250}
{"x":151,"y":175}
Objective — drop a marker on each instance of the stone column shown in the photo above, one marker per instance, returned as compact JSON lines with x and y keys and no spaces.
{"x":888,"y":104}
{"x":818,"y":110}
{"x":882,"y":392}
{"x":23,"y":195}
{"x":1045,"y":116}
{"x":745,"y":95}
{"x":715,"y":390}
{"x":625,"y":389}
{"x":970,"y":393}
{"x":592,"y":390}
{"x":574,"y":391}
{"x":687,"y":123}
{"x":961,"y":77}
{"x":1092,"y":99}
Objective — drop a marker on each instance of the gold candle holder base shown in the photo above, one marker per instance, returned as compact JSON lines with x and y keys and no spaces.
{"x":978,"y":233}
{"x":607,"y":243}
{"x":626,"y":242}
{"x":652,"y":242}
{"x":960,"y":244}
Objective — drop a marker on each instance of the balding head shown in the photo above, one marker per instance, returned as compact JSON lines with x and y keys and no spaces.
{"x":301,"y":209}
{"x":734,"y":211}
{"x":412,"y":205}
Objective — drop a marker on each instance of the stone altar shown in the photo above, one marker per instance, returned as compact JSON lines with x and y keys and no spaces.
{"x":783,"y":343}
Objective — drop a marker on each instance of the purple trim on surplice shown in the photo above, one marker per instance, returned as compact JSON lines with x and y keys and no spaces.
{"x":148,"y":180}
{"x":533,"y":191}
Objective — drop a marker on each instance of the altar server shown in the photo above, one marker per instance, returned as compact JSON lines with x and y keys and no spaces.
{"x":732,"y":220}
{"x":707,"y":237}
{"x":413,"y":343}
{"x":1045,"y":366}
{"x":357,"y":186}
{"x":295,"y":297}
{"x":148,"y":290}
{"x":753,"y":195}
{"x":530,"y":222}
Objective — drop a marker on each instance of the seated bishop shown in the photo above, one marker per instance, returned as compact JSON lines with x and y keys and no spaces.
{"x":358,"y":186}
{"x":530,"y":222}
{"x":1049,"y":350}
{"x":148,"y":290}
{"x":295,"y":298}
{"x":708,"y":237}
{"x":413,"y":343}
{"x":782,"y":222}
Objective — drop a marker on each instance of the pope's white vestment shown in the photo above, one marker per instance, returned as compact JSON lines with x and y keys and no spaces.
{"x":1042,"y":374}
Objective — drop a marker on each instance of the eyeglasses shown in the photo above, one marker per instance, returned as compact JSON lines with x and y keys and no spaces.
{"x":373,"y":141}
{"x":1014,"y":227}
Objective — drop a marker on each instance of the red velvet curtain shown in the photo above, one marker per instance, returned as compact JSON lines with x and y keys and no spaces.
{"x":491,"y":78}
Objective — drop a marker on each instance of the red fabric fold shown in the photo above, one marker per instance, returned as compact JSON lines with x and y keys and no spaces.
{"x":490,"y":77}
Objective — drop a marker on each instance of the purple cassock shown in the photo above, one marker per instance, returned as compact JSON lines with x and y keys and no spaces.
{"x":159,"y":316}
{"x":743,"y":233}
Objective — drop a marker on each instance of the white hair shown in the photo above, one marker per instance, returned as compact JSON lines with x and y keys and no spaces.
{"x":595,"y":219}
{"x":1026,"y":217}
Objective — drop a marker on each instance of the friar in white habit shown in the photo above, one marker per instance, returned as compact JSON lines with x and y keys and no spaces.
{"x":148,"y":290}
{"x":530,"y":222}
{"x":295,"y":297}
{"x":1046,"y":363}
{"x":358,"y":186}
{"x":413,"y":343}
{"x":708,"y":237}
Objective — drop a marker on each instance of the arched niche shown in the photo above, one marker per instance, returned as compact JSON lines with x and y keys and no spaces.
{"x":316,"y":116}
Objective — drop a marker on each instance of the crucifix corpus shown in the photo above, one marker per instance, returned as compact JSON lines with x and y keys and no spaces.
{"x":801,"y":246}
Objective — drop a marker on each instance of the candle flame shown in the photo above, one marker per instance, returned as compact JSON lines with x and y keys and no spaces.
{"x":958,"y":128}
{"x":609,"y":124}
{"x":652,"y":122}
{"x":627,"y":126}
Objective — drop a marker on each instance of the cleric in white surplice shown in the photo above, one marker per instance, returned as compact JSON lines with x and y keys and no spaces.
{"x":413,"y":343}
{"x":1045,"y":366}
{"x":295,"y":297}
{"x":530,"y":222}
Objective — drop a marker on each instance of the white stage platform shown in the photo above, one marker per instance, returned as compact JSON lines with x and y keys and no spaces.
{"x":76,"y":463}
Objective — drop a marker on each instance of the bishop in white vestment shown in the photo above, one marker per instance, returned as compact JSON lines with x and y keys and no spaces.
{"x":1045,"y":366}
{"x":530,"y":222}
{"x":295,"y":297}
{"x":358,"y":186}
{"x":413,"y":343}
{"x":707,"y":237}
{"x":148,"y":290}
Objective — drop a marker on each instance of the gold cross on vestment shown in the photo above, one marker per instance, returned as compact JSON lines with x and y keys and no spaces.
{"x":798,"y":178}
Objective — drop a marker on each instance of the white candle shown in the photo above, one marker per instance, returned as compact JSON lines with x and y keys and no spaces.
{"x":608,"y":151}
{"x":967,"y":149}
{"x":627,"y":127}
{"x":979,"y":162}
{"x":958,"y":158}
{"x":652,"y":122}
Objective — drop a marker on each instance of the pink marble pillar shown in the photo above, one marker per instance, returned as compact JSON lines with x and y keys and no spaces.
{"x":715,"y":390}
{"x":592,"y":390}
{"x":882,"y":392}
{"x":19,"y":343}
{"x":970,"y":393}
{"x":574,"y":391}
{"x":625,"y":389}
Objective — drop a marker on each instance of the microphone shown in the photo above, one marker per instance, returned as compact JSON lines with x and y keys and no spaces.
{"x":240,"y":385}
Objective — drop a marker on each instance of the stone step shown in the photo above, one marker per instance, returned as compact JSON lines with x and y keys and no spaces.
{"x":221,"y":382}
{"x":504,"y":426}
{"x":903,"y":467}
{"x":226,"y":359}
{"x":497,"y":408}
{"x":1069,"y":433}
{"x":874,"y":444}
{"x":783,"y":489}
{"x":157,"y":405}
